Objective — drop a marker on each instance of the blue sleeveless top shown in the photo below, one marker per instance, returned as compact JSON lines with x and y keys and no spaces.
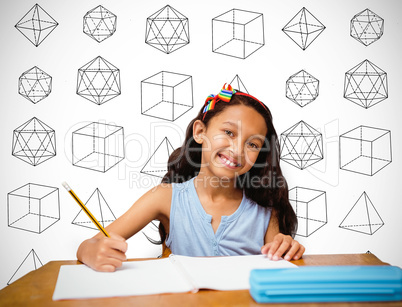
{"x":191,"y":232}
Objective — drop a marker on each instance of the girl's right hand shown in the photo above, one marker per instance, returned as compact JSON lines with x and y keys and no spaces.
{"x":102,"y":253}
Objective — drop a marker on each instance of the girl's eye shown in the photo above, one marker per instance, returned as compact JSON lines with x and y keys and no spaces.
{"x":229,"y":133}
{"x":253,"y":146}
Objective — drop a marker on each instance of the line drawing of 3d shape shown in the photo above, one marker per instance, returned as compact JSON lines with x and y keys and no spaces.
{"x":98,"y":146}
{"x":99,"y":23}
{"x":238,"y":33}
{"x":98,"y":206}
{"x":365,"y":150}
{"x":301,"y":145}
{"x":237,"y":84}
{"x":302,"y":88}
{"x":363,"y":217}
{"x":33,"y":207}
{"x":98,"y":81}
{"x":30,"y":263}
{"x":303,"y":28}
{"x":366,"y":84}
{"x":36,"y":25}
{"x":34,"y":84}
{"x":34,"y":142}
{"x":167,"y":30}
{"x":157,"y":163}
{"x":366,"y":27}
{"x":310,"y":207}
{"x":167,"y":95}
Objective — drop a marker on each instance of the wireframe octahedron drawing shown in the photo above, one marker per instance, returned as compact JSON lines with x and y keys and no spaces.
{"x":302,"y":88}
{"x":237,"y":84}
{"x":157,"y":165}
{"x":366,"y":27}
{"x":167,"y":30}
{"x":366,"y":84}
{"x":303,"y":28}
{"x":98,"y":81}
{"x":301,"y":145}
{"x":363,"y":217}
{"x":34,"y":142}
{"x":99,"y":23}
{"x":34,"y":84}
{"x":36,"y":25}
{"x":30,"y":263}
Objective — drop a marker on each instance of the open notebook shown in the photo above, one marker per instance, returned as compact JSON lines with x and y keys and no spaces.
{"x":174,"y":274}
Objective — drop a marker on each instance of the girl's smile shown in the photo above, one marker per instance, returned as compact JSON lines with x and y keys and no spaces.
{"x":228,"y":161}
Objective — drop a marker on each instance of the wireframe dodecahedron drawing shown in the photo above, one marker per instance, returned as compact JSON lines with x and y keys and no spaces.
{"x":301,"y":145}
{"x":36,"y":25}
{"x":366,"y":27}
{"x":31,"y":262}
{"x":310,"y":207}
{"x":366,"y":84}
{"x":302,"y":88}
{"x":34,"y":84}
{"x":365,"y":150}
{"x":34,"y":142}
{"x":167,"y":30}
{"x":157,"y":165}
{"x":303,"y":28}
{"x":98,"y":81}
{"x":33,"y":207}
{"x":166,"y":95}
{"x":238,"y":33}
{"x":99,"y":23}
{"x":237,"y":84}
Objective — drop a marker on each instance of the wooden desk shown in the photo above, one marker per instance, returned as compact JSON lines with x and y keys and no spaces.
{"x":36,"y":289}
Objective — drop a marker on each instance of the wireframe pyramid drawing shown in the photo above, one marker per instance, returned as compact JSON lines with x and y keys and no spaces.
{"x":366,"y":27}
{"x":99,"y":23}
{"x":30,"y":263}
{"x":157,"y":164}
{"x":34,"y":84}
{"x":363,"y":217}
{"x":237,"y":84}
{"x":99,"y":208}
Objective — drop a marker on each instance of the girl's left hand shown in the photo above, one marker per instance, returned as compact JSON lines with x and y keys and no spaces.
{"x":283,"y":246}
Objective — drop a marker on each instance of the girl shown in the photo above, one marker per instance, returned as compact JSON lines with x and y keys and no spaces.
{"x":223,"y":194}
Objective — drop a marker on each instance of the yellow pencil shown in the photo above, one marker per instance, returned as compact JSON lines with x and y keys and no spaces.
{"x":93,"y":219}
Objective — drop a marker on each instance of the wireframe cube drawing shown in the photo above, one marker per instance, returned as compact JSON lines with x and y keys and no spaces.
{"x":98,"y":146}
{"x":365,"y":150}
{"x":366,"y":27}
{"x":34,"y":142}
{"x":99,"y":23}
{"x":366,"y":84}
{"x":33,"y":207}
{"x":310,"y":207}
{"x":237,"y":84}
{"x":167,"y":30}
{"x":166,"y":95}
{"x":34,"y":84}
{"x":31,"y":262}
{"x":302,"y":88}
{"x":157,"y":165}
{"x":363,"y":217}
{"x":238,"y":33}
{"x":36,"y":25}
{"x":301,"y":145}
{"x":303,"y":28}
{"x":98,"y":81}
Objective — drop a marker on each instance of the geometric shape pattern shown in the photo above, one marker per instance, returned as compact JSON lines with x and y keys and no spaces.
{"x":30,"y":263}
{"x":166,"y":95}
{"x":33,"y":207}
{"x":366,"y":84}
{"x":98,"y":146}
{"x":238,"y":33}
{"x":301,"y":145}
{"x":34,"y":84}
{"x":101,"y":211}
{"x":365,"y":150}
{"x":157,"y":163}
{"x":303,"y":28}
{"x":237,"y":84}
{"x":363,"y":217}
{"x":302,"y":88}
{"x":36,"y":25}
{"x":366,"y":27}
{"x":167,"y":30}
{"x":310,"y":207}
{"x":99,"y":23}
{"x":98,"y":81}
{"x":34,"y":142}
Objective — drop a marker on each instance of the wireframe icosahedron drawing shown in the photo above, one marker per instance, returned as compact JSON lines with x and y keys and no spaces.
{"x":99,"y":23}
{"x":366,"y":27}
{"x":302,"y":88}
{"x":34,"y":84}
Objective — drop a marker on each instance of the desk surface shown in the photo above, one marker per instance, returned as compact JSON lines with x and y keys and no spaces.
{"x":36,"y":289}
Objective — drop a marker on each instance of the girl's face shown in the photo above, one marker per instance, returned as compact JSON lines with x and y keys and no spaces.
{"x":232,"y":141}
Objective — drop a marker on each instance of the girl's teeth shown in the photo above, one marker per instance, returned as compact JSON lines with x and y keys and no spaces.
{"x":227,"y":162}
